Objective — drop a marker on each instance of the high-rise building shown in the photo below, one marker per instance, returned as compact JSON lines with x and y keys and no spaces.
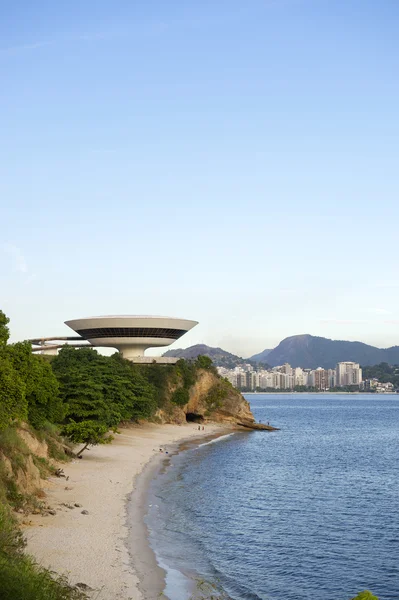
{"x":348,"y":373}
{"x":287,"y":369}
{"x":321,"y":379}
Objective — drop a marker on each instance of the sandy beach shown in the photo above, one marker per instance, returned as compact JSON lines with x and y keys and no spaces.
{"x":107,"y":549}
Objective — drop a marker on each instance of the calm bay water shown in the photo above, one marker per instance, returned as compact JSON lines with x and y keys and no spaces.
{"x":307,"y":513}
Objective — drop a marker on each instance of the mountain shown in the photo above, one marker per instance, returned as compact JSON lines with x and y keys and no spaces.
{"x":261,"y":357}
{"x":310,"y":352}
{"x":220,"y":357}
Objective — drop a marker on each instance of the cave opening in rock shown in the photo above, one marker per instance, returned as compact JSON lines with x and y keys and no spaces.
{"x":194,"y":418}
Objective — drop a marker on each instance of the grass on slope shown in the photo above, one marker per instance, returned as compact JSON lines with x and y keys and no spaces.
{"x":21,"y":578}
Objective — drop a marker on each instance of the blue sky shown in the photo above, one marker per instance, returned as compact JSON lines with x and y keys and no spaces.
{"x":231,"y":162}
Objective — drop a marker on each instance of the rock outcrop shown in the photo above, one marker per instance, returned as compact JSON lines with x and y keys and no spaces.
{"x":216,"y":400}
{"x":211,"y":399}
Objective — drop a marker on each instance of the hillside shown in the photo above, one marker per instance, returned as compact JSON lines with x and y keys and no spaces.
{"x":220,"y":358}
{"x":310,"y":352}
{"x":261,"y":357}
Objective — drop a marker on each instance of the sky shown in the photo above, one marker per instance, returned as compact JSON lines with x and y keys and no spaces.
{"x":224,"y":161}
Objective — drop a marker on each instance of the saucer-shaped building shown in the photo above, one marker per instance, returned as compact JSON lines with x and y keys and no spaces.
{"x":132,"y":335}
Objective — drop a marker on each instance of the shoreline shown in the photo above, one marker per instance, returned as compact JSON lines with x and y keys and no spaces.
{"x":153,"y":578}
{"x":108,"y":550}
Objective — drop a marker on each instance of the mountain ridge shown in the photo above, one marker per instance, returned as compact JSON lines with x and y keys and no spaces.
{"x":309,"y":352}
{"x":220,"y":357}
{"x":304,"y":350}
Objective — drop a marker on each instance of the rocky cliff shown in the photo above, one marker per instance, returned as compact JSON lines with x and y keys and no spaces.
{"x":210,"y":399}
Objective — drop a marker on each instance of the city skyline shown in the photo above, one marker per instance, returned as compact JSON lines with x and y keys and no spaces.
{"x":347,"y":374}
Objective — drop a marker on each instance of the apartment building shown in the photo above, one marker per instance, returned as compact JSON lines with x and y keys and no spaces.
{"x":348,"y":373}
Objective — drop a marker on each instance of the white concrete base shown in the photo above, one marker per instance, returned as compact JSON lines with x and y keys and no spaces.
{"x":149,"y":360}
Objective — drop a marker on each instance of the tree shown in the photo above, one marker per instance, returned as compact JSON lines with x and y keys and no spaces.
{"x":204,"y":362}
{"x":383,"y":372}
{"x":125,"y":386}
{"x":81,"y":388}
{"x":180,"y":396}
{"x":186,"y":370}
{"x":13,"y":404}
{"x":89,"y":433}
{"x":159,"y":377}
{"x":101,"y":388}
{"x":41,"y":386}
{"x":4,"y":331}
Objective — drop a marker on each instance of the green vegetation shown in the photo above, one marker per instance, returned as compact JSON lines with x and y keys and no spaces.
{"x":180,"y":396}
{"x":366,"y":595}
{"x":28,"y":386}
{"x":41,"y":386}
{"x":160,"y":377}
{"x":98,"y":393}
{"x":13,"y":448}
{"x":84,"y":393}
{"x":89,"y":433}
{"x":12,"y":393}
{"x":217,"y":394}
{"x":204,"y":362}
{"x":384,"y":372}
{"x":20,"y":576}
{"x":4,"y":331}
{"x":87,"y":394}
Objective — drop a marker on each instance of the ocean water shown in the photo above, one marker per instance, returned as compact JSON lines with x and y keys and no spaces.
{"x":310,"y":512}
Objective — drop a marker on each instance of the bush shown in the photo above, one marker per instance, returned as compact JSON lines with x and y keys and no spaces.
{"x":187,"y":371}
{"x":159,"y":377}
{"x":204,"y":362}
{"x":216,"y":395}
{"x":180,"y":396}
{"x":13,"y":404}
